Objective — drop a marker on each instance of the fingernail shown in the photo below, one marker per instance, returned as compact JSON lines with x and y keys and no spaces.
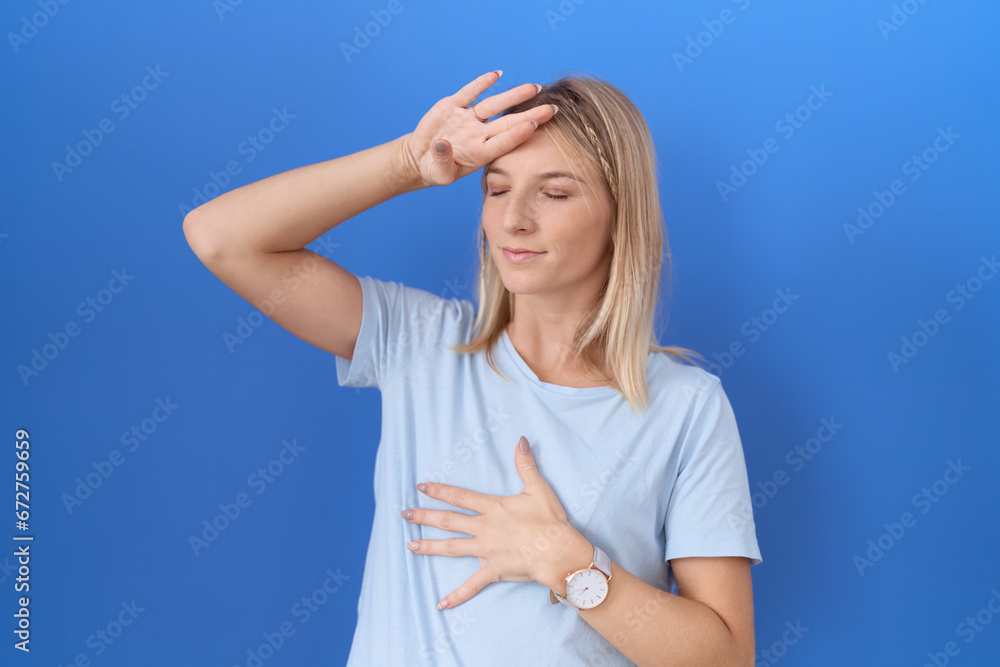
{"x":535,"y":123}
{"x":538,"y":87}
{"x":555,"y":109}
{"x":443,"y":604}
{"x":412,"y":546}
{"x":523,"y":445}
{"x":422,"y":487}
{"x":407,"y":514}
{"x":440,"y":147}
{"x":499,"y":73}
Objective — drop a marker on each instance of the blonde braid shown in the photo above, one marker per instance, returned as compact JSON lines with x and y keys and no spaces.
{"x":608,"y":174}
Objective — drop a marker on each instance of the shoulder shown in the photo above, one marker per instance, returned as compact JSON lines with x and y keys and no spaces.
{"x":417,"y":309}
{"x":667,"y":375}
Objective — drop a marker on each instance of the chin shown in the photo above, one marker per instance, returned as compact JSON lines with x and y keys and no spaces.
{"x":529,"y":288}
{"x":520,"y":284}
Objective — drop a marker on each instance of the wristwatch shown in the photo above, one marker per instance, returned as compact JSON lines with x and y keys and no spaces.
{"x":586,"y":588}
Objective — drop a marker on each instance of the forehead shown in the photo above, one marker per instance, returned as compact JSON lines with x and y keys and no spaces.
{"x":544,"y":153}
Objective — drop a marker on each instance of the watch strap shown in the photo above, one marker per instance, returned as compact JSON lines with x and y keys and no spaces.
{"x":602,"y":562}
{"x":553,"y":598}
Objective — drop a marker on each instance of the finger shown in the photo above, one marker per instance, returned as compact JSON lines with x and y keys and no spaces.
{"x":527,"y":469}
{"x":472,"y":585}
{"x":506,"y":141}
{"x":453,"y":546}
{"x":457,"y":496}
{"x":443,"y":519}
{"x":494,"y":104}
{"x":472,"y":90}
{"x":539,"y":114}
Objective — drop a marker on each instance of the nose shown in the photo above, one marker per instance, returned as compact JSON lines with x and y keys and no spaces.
{"x":518,"y":213}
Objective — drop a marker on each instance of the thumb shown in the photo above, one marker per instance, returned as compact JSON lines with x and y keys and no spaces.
{"x":442,"y":164}
{"x":527,"y":469}
{"x":442,"y":151}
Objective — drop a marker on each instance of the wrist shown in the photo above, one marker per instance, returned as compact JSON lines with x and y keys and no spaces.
{"x":404,"y":174}
{"x":577,"y":555}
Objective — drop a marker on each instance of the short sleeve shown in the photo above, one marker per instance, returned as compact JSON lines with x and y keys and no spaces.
{"x":398,"y":324}
{"x":709,"y":512}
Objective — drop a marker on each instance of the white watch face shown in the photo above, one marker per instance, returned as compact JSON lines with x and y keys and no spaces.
{"x":587,"y":589}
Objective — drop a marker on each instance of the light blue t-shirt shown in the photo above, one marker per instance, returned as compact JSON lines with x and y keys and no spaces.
{"x":670,"y":484}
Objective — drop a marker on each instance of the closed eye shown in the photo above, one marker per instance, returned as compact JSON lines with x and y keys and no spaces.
{"x":500,"y":192}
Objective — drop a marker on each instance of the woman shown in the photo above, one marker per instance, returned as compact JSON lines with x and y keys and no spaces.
{"x":634,"y":479}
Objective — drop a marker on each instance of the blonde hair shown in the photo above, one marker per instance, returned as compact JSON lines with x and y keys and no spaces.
{"x":606,"y":130}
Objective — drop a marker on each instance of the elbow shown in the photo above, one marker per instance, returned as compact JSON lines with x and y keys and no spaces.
{"x":189,"y":228}
{"x":196,"y":235}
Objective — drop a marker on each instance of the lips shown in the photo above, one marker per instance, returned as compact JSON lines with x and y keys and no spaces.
{"x":518,"y":255}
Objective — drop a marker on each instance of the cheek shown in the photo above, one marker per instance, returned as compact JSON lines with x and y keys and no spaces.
{"x":586,"y":237}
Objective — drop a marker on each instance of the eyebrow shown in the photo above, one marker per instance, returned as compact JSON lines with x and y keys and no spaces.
{"x":544,"y":176}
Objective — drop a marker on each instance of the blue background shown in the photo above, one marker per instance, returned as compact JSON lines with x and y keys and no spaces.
{"x":826,"y":357}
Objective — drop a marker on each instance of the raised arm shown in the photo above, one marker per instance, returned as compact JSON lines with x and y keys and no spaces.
{"x":253,"y":238}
